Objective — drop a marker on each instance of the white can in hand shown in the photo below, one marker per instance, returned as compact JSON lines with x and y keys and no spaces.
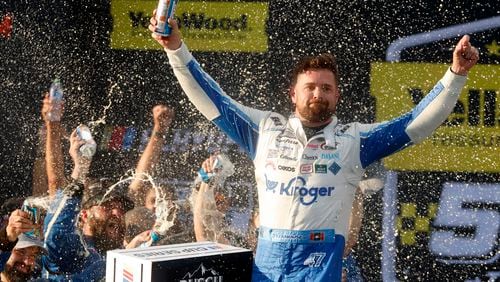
{"x":164,"y":11}
{"x":56,"y":98}
{"x":89,"y":148}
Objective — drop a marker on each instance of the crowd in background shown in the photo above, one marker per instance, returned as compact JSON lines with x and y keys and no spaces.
{"x":64,"y":235}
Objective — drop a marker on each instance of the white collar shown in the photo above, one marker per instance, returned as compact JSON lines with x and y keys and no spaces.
{"x":328,"y":131}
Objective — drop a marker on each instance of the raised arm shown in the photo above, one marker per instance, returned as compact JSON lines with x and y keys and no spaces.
{"x":355,"y":222}
{"x":433,"y":110}
{"x":200,"y":229}
{"x":237,"y":121}
{"x":81,"y":165}
{"x":54,"y":162}
{"x":202,"y":203}
{"x":67,"y":252}
{"x":162,"y":118}
{"x":413,"y":127}
{"x":208,"y":221}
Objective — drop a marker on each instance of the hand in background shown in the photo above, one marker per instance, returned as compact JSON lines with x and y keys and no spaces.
{"x":81,"y":164}
{"x":19,"y":222}
{"x":208,"y":164}
{"x":139,"y":239}
{"x":162,"y":117}
{"x":52,"y":111}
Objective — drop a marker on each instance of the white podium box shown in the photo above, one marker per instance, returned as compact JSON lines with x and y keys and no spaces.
{"x":191,"y":262}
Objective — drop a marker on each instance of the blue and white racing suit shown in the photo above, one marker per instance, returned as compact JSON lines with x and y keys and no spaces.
{"x":306,"y":186}
{"x":69,"y":258}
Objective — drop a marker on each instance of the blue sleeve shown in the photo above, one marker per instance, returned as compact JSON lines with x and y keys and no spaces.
{"x":240,"y":123}
{"x":66,"y":251}
{"x":94,"y":272}
{"x":4,"y":257}
{"x":392,"y":136}
{"x":384,"y":140}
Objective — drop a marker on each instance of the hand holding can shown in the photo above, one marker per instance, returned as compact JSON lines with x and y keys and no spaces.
{"x":164,"y":11}
{"x":55,"y":101}
{"x":89,"y":148}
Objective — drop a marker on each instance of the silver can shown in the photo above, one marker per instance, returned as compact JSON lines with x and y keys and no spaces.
{"x":164,"y":11}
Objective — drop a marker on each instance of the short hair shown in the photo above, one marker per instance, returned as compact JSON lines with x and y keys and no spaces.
{"x":322,"y":61}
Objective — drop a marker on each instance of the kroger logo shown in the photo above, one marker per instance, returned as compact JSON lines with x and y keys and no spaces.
{"x":298,"y":186}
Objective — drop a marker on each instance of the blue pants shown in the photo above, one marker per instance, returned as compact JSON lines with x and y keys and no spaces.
{"x":306,"y":255}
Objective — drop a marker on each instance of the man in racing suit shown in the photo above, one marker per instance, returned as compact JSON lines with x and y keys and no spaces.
{"x":307,"y":166}
{"x":81,"y":225}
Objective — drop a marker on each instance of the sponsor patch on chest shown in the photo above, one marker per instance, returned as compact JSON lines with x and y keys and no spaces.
{"x":298,"y":186}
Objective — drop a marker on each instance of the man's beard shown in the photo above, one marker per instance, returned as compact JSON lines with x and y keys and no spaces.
{"x":316,"y":111}
{"x":103,"y":242}
{"x":14,"y":275}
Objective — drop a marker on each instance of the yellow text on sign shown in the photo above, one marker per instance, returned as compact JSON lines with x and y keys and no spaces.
{"x":205,"y":26}
{"x":469,"y":141}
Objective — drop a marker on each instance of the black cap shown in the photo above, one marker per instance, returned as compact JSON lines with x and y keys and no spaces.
{"x":97,"y":193}
{"x":11,"y":205}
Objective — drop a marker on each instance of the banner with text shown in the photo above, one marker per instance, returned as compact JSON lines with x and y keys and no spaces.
{"x":205,"y":26}
{"x":468,"y":141}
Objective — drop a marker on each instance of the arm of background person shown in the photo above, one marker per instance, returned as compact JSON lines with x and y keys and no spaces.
{"x":199,"y":227}
{"x":141,"y":238}
{"x":253,"y":228}
{"x":384,"y":139}
{"x":66,"y":250}
{"x":54,"y":162}
{"x":205,"y":209}
{"x":162,"y":119}
{"x":240,"y":123}
{"x":40,"y":184}
{"x":355,"y":222}
{"x":81,"y":165}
